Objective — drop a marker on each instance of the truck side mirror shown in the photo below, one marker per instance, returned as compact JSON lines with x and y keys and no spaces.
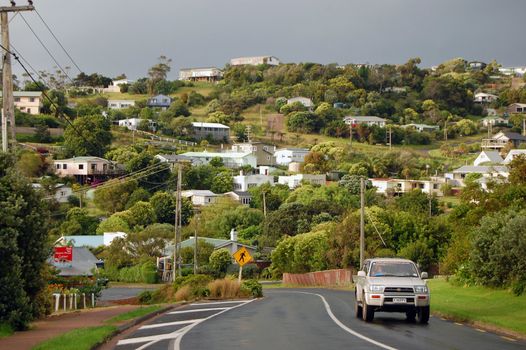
{"x":361,"y":273}
{"x":423,"y":275}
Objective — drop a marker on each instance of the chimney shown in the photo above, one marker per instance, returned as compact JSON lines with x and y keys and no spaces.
{"x":241,"y":172}
{"x":233,"y":235}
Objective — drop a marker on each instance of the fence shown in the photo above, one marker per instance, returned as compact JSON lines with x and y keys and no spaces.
{"x":65,"y":302}
{"x":327,"y":278}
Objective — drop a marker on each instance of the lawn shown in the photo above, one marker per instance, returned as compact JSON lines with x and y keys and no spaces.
{"x":78,"y":339}
{"x":5,"y":330}
{"x":134,"y":314}
{"x":495,"y":307}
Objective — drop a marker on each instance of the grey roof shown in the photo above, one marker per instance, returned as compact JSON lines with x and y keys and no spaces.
{"x":25,"y":93}
{"x":365,"y":118}
{"x":216,"y":242}
{"x":481,"y":169}
{"x":493,"y":156}
{"x":171,"y":158}
{"x":82,"y":265}
{"x":205,"y":193}
{"x":514,"y":135}
{"x":210,"y":125}
{"x":82,"y":159}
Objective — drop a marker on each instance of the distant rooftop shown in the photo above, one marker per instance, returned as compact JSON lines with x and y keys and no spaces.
{"x":206,"y":154}
{"x":25,"y":93}
{"x":210,"y":125}
{"x":83,"y":159}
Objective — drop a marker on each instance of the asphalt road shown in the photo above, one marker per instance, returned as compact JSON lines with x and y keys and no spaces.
{"x":302,"y":319}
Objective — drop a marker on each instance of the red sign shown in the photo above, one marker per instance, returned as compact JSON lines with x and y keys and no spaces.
{"x":63,"y":254}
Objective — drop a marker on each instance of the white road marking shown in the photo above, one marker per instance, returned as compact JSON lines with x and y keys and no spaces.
{"x":219,"y":302}
{"x":198,"y":310}
{"x":148,"y":338}
{"x":344,"y":327}
{"x":176,"y":323}
{"x":177,"y":343}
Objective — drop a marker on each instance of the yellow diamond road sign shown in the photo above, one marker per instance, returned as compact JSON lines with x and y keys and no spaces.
{"x":242,"y":256}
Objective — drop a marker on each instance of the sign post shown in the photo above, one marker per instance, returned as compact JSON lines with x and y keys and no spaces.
{"x":243,"y":257}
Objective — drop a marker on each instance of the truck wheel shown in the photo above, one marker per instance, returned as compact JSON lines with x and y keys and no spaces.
{"x":411,"y":315}
{"x":423,"y":314}
{"x":357,"y":308}
{"x":367,"y":312}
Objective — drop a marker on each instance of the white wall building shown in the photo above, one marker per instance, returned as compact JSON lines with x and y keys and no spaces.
{"x":305,"y":101}
{"x":29,"y":102}
{"x":116,"y":85}
{"x":244,"y":182}
{"x":488,"y":156}
{"x":366,"y":120}
{"x":214,"y":131}
{"x":255,"y":61}
{"x":120,"y":104}
{"x":62,"y":192}
{"x":422,"y":127}
{"x":294,"y":181}
{"x":133,"y":123}
{"x":482,"y":97}
{"x":512,"y":154}
{"x":397,"y":186}
{"x":210,"y":74}
{"x":286,"y":155}
{"x":230,"y":159}
{"x":200,"y":197}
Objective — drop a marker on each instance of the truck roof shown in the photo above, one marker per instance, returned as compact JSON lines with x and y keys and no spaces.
{"x":390,"y":260}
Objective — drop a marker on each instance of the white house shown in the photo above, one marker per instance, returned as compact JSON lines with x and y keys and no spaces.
{"x":488,"y":156}
{"x":397,"y":186}
{"x":491,"y":171}
{"x":503,"y":139}
{"x":286,"y":155}
{"x":512,"y":154}
{"x":244,"y":182}
{"x":210,"y":74}
{"x":255,"y":61}
{"x":62,"y":192}
{"x":264,"y":152}
{"x":200,"y":197}
{"x":365,"y":120}
{"x":230,"y":159}
{"x":120,"y":104}
{"x":493,"y":120}
{"x":133,"y":123}
{"x":116,"y":85}
{"x":422,"y":127}
{"x":482,"y":97}
{"x":294,"y":181}
{"x":29,"y":102}
{"x":242,"y":197}
{"x":305,"y":101}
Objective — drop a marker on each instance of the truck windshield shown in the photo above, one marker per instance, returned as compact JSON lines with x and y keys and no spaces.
{"x":395,"y":269}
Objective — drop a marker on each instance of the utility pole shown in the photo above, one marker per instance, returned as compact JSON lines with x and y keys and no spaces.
{"x":390,"y":138}
{"x":179,"y":211}
{"x":196,"y":242}
{"x":524,"y":126}
{"x":8,"y":103}
{"x":350,"y":134}
{"x":445,"y":130}
{"x":362,"y":221}
{"x":264,"y":204}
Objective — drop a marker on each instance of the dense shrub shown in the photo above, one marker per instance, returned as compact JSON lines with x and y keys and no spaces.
{"x":253,"y":288}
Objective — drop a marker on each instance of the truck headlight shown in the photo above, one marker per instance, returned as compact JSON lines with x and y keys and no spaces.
{"x":376,"y":288}
{"x":420,"y":289}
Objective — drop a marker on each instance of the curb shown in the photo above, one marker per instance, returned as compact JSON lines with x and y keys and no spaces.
{"x":133,"y":323}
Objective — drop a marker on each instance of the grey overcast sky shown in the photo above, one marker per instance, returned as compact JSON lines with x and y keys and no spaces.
{"x":127,"y":36}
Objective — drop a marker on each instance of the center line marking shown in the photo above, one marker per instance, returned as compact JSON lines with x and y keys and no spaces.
{"x":347,"y":329}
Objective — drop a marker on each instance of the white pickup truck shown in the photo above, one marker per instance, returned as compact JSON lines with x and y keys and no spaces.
{"x":391,"y":285}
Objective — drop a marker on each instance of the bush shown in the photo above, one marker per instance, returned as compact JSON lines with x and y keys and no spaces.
{"x":197,"y":285}
{"x":219,"y":261}
{"x":225,"y":288}
{"x":183,"y":294}
{"x":149,"y":273}
{"x":253,"y":288}
{"x":145,"y":297}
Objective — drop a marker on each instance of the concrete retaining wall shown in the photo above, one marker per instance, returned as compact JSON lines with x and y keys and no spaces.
{"x":328,"y":278}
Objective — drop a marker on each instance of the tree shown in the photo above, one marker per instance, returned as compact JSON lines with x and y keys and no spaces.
{"x":113,"y":224}
{"x":88,"y":136}
{"x":158,"y":72}
{"x":518,"y":170}
{"x":114,"y":195}
{"x":222,"y":182}
{"x":42,"y":133}
{"x":78,"y":222}
{"x":24,"y":250}
{"x":352,"y":183}
{"x":219,"y":261}
{"x":304,"y":122}
{"x":141,"y":214}
{"x":164,"y":206}
{"x":204,"y":250}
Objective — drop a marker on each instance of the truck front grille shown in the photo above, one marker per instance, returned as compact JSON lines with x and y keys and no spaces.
{"x":398,"y":290}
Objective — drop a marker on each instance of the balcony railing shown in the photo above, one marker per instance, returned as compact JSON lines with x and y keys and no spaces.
{"x":492,"y":143}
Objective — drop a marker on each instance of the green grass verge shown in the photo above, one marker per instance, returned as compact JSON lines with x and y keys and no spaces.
{"x":141,"y":311}
{"x":78,"y":339}
{"x":5,"y":330}
{"x":479,"y":304}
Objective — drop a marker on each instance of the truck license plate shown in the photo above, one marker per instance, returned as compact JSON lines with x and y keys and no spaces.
{"x":399,"y":300}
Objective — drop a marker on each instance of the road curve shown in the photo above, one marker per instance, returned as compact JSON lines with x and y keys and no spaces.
{"x":301,"y":319}
{"x":291,"y":319}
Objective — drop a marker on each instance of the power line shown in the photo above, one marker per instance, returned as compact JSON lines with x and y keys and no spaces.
{"x":29,"y":64}
{"x":46,"y":49}
{"x":58,"y":41}
{"x":49,"y":98}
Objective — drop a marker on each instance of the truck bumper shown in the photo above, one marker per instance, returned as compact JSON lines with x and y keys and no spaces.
{"x":388,"y":302}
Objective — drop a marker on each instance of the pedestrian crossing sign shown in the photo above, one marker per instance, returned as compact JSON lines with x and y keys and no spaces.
{"x":242,"y":256}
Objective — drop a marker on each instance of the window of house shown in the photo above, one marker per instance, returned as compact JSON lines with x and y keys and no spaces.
{"x":31,"y":99}
{"x":64,"y":166}
{"x":58,"y":166}
{"x":81,"y":166}
{"x":17,"y":99}
{"x":93,"y":166}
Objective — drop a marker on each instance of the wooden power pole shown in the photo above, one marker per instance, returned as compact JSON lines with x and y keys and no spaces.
{"x":8,"y":103}
{"x":362,"y":221}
